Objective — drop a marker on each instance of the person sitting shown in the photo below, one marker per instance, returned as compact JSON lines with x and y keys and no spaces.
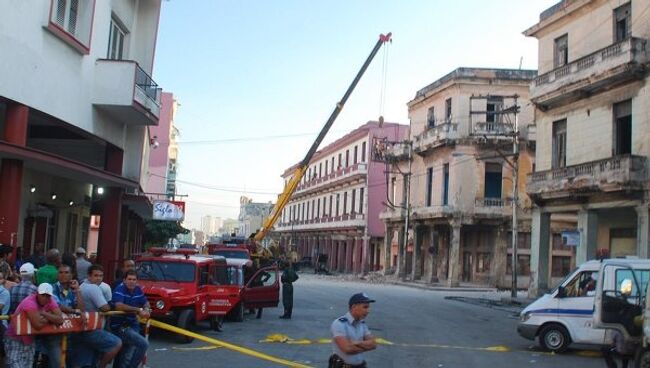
{"x":129,"y":297}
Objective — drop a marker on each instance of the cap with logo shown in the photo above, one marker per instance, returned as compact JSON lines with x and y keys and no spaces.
{"x":45,"y":289}
{"x":27,"y":269}
{"x":360,"y":298}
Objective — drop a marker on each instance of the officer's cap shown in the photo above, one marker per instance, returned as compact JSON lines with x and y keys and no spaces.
{"x":359,"y":298}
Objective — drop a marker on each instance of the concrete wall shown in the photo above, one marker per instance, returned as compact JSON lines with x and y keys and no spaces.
{"x":159,"y":157}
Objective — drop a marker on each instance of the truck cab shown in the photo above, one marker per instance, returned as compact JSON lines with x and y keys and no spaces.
{"x":181,"y":285}
{"x":621,"y":304}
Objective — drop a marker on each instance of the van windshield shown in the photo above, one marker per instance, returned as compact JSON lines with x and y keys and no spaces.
{"x":166,"y":271}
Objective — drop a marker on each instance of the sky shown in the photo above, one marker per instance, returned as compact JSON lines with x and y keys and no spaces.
{"x":257,"y":80}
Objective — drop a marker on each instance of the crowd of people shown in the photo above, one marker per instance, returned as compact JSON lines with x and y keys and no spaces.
{"x":63,"y":285}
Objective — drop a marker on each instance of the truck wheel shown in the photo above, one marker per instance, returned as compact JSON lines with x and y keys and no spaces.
{"x":186,"y":321}
{"x":216,"y":323}
{"x":642,"y":358}
{"x":238,"y":313}
{"x":554,"y":338}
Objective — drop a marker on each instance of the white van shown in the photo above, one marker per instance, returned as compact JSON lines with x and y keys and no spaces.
{"x":564,"y":315}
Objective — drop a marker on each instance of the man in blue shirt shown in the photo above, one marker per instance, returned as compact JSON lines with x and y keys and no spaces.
{"x":129,"y":297}
{"x":351,"y":336}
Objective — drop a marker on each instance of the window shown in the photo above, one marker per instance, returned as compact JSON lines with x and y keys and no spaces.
{"x":429,"y":185}
{"x":264,"y":278}
{"x":582,"y":284}
{"x":356,"y":149}
{"x":326,"y":162}
{"x":448,"y":110}
{"x":116,"y":41}
{"x":345,"y":203}
{"x":353,"y":198}
{"x":320,"y":169}
{"x":445,"y":185}
{"x":338,"y":201}
{"x":523,"y":265}
{"x":347,"y":158}
{"x":330,"y":210}
{"x":363,"y":152}
{"x":71,"y":21}
{"x":361,"y":193}
{"x":303,"y":211}
{"x":324,"y":206}
{"x":431,"y":117}
{"x":313,"y":208}
{"x":622,"y":128}
{"x":493,"y":180}
{"x":318,"y":208}
{"x":559,"y":144}
{"x":340,"y":160}
{"x":561,"y":52}
{"x":332,"y":167}
{"x":561,"y":266}
{"x":494,"y":108}
{"x":622,"y":22}
{"x":483,"y":262}
{"x":393,"y":185}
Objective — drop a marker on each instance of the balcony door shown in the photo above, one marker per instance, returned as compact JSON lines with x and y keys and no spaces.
{"x":116,"y":41}
{"x":493,"y":180}
{"x":623,"y":128}
{"x":559,"y":144}
{"x":561,"y":51}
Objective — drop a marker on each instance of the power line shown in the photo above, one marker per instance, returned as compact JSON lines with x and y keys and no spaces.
{"x":251,"y":139}
{"x":221,"y":189}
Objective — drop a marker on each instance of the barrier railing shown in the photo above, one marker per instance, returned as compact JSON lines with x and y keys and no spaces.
{"x":160,"y":325}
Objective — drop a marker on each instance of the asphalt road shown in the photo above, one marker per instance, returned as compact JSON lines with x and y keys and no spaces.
{"x":425,"y":329}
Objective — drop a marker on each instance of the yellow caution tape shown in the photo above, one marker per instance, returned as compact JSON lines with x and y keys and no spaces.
{"x":239,"y":349}
{"x":379,"y":340}
{"x":210,"y":347}
{"x":324,"y":341}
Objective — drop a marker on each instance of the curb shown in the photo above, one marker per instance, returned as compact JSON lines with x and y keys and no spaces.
{"x":442,"y":288}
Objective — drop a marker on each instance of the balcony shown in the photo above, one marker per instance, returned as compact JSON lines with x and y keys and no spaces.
{"x":493,"y":130}
{"x":619,"y":173}
{"x":126,"y":92}
{"x":492,"y":207}
{"x":392,"y":214}
{"x":434,"y":137}
{"x":531,"y":133}
{"x":338,"y":177}
{"x":353,"y":220}
{"x":594,"y":73}
{"x":398,"y":151}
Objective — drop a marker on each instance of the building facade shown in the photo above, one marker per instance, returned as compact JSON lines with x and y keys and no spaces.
{"x":459,"y":182}
{"x":164,"y":152}
{"x":592,"y":111}
{"x":76,"y":99}
{"x":335,"y":209}
{"x":251,"y":216}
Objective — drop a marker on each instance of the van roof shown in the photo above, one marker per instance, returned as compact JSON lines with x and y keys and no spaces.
{"x":632,"y":262}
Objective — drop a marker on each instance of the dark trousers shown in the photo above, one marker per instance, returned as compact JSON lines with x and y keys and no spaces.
{"x":287,"y":298}
{"x":609,"y":353}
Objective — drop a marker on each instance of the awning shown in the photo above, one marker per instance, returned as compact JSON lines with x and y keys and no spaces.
{"x":140,"y":204}
{"x":64,"y":167}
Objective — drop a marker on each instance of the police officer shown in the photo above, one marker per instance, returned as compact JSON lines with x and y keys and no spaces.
{"x":351,"y":336}
{"x":289,"y":276}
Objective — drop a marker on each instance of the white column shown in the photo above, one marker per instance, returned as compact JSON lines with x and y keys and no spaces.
{"x":588,"y":228}
{"x":539,"y":253}
{"x":453,"y":276}
{"x":643,"y":230}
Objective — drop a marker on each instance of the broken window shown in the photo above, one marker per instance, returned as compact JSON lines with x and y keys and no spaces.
{"x":494,"y":107}
{"x":431,"y":117}
{"x":622,"y":22}
{"x":623,"y":128}
{"x":561,"y":55}
{"x":493,"y":180}
{"x":559,"y":144}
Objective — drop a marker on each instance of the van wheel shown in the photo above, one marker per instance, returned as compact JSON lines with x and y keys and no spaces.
{"x":642,"y":358}
{"x":216,"y":323}
{"x":554,"y":338}
{"x":187,"y":321}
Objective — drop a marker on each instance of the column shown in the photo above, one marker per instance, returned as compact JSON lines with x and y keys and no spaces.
{"x":539,"y":252}
{"x":499,"y":257}
{"x":388,"y":240}
{"x":399,"y":271}
{"x":108,"y":248}
{"x":588,"y":228}
{"x":435,"y":251}
{"x":417,"y":244}
{"x":340,"y":262}
{"x":643,"y":230}
{"x":367,"y":262}
{"x":349,"y":255}
{"x":11,"y":175}
{"x":453,"y":275}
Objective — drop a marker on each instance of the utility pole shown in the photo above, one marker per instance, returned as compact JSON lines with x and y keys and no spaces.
{"x":515,"y":200}
{"x":407,"y":205}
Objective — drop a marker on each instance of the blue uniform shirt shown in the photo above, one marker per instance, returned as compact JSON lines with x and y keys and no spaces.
{"x":354,"y":331}
{"x":137,"y":299}
{"x":63,"y":297}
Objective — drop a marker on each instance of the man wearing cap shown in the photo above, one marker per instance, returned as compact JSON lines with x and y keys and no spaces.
{"x":41,"y":310}
{"x":24,"y":288}
{"x":82,"y":264}
{"x":351,"y":336}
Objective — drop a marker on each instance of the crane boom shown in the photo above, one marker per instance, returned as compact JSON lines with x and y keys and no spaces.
{"x":298,"y":173}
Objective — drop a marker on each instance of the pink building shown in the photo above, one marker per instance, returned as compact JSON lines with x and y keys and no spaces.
{"x":335,"y":209}
{"x":164,"y":151}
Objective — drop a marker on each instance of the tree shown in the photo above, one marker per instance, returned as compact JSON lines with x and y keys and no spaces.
{"x":159,"y":232}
